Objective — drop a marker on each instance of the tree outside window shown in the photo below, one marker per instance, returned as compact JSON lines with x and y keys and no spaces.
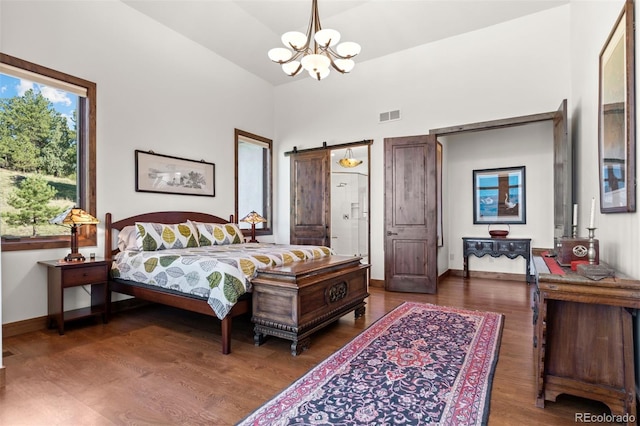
{"x":38,"y":156}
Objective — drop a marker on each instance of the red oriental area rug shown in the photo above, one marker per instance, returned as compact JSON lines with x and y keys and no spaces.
{"x":418,"y":364}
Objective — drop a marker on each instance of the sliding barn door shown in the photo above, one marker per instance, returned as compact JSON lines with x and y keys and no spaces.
{"x":410,"y":247}
{"x":310,"y":198}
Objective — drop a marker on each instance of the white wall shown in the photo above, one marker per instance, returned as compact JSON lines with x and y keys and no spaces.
{"x":618,"y":233}
{"x":515,"y":68}
{"x":156,"y":91}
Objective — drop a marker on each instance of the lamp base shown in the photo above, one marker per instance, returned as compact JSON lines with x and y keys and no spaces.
{"x":74,"y":257}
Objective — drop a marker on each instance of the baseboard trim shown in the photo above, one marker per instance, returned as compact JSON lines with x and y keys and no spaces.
{"x":376,"y":283}
{"x":488,"y":275}
{"x":40,"y":323}
{"x":25,"y":326}
{"x":444,"y":275}
{"x":459,"y":273}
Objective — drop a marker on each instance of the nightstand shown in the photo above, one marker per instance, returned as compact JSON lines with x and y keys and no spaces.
{"x":62,"y":274}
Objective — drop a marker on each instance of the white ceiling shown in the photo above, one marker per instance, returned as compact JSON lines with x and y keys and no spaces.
{"x":243,"y":31}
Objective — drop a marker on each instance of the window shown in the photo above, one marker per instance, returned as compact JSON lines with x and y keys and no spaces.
{"x":253,"y":179}
{"x":79,"y":153}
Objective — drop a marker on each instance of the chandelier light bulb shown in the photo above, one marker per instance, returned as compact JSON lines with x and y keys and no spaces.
{"x":319,"y":74}
{"x":294,"y":39}
{"x":292,"y":68}
{"x":348,"y":49}
{"x":327,"y":37}
{"x":280,"y":54}
{"x":344,"y":65}
{"x":315,"y":62}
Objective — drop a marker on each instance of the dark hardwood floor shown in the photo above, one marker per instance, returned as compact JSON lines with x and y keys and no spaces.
{"x":159,"y":365}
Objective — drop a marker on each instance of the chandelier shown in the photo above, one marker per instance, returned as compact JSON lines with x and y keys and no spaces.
{"x":326,"y":51}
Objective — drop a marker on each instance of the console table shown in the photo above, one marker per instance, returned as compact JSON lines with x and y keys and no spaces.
{"x":496,"y":247}
{"x":583,"y":338}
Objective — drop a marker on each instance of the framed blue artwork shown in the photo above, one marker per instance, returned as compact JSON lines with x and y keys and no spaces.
{"x":499,"y":196}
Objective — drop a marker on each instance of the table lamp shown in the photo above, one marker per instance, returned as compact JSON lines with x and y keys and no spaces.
{"x":253,"y":218}
{"x":74,"y":218}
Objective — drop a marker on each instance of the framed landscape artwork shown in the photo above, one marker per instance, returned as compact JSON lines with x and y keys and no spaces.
{"x":173,"y":175}
{"x":616,"y":117}
{"x":499,"y":196}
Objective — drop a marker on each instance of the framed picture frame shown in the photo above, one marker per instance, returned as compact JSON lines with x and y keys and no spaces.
{"x":616,"y":117}
{"x":499,"y":196}
{"x":174,"y":175}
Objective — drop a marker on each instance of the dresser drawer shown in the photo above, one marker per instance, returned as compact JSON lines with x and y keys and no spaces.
{"x":512,"y":247}
{"x":84,"y":275}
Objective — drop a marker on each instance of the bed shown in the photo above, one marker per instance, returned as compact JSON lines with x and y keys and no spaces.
{"x":172,"y":249}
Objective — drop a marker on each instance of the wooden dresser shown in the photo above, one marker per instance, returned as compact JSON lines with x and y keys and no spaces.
{"x":294,"y":300}
{"x":583,"y":338}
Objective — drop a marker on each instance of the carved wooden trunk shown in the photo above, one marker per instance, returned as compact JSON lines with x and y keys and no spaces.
{"x":297,"y":299}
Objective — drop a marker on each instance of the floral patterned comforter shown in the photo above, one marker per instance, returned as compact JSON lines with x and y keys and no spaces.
{"x":220,"y":273}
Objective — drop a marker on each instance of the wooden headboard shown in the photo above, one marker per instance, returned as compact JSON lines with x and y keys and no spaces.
{"x":170,"y":217}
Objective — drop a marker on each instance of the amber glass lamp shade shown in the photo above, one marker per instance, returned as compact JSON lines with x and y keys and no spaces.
{"x":74,"y":218}
{"x":348,"y":161}
{"x":253,"y":218}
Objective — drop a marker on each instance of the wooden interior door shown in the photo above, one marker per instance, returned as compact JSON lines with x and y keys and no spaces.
{"x":310,"y":198}
{"x":410,"y":253}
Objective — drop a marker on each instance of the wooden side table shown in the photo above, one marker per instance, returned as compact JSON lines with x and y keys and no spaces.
{"x":583,"y":338}
{"x":62,"y":274}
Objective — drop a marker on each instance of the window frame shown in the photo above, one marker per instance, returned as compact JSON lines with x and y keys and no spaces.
{"x":268,"y":189}
{"x":87,"y":235}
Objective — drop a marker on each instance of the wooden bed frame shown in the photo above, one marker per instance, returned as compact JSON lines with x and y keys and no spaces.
{"x":291,"y":301}
{"x":194,"y":304}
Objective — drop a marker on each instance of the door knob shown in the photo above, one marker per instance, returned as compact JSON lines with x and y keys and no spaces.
{"x":391,"y":233}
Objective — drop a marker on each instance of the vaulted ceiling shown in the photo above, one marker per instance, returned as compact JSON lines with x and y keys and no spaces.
{"x":243,"y":31}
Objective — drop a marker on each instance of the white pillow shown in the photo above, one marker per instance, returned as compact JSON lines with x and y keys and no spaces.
{"x":127,"y":238}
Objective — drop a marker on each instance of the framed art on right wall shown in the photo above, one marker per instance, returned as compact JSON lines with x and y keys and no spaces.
{"x":616,"y":117}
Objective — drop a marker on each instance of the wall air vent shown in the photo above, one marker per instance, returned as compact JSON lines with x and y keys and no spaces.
{"x":389,"y":116}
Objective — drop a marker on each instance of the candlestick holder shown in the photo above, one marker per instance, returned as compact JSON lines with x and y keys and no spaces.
{"x":594,"y":270}
{"x":574,"y":231}
{"x":591,"y":252}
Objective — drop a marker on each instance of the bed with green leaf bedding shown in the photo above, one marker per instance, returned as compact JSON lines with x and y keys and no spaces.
{"x":193,"y":261}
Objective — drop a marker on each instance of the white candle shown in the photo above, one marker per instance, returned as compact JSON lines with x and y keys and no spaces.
{"x":575,"y":215}
{"x":592,"y":219}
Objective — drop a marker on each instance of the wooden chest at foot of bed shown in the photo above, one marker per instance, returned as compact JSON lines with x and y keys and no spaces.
{"x":297,"y":299}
